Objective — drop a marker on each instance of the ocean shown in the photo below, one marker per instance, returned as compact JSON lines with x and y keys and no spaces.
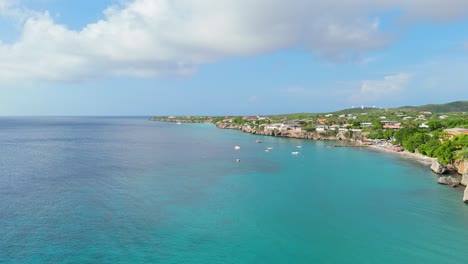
{"x":128,"y":190}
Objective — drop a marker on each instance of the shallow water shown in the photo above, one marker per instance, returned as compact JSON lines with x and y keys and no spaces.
{"x":126,"y":190}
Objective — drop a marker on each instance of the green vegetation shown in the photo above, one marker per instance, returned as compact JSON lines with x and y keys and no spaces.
{"x":458,"y":106}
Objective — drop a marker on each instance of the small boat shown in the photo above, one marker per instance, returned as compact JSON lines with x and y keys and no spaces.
{"x":299,"y":146}
{"x":258,"y":141}
{"x":295,"y":152}
{"x":236,"y":147}
{"x":179,"y":123}
{"x":237,"y":160}
{"x":270,"y":148}
{"x":267,"y":150}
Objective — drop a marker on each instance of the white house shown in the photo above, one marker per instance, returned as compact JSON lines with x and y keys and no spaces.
{"x":321,"y":128}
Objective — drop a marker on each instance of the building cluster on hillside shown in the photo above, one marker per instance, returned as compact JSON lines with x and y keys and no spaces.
{"x":452,"y":132}
{"x":339,"y":122}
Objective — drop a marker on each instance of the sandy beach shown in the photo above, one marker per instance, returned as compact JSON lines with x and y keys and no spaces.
{"x":404,"y":154}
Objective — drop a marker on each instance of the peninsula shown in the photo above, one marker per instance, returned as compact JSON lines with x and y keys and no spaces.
{"x":437,"y":134}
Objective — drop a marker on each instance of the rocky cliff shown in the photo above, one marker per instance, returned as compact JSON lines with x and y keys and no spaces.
{"x":291,"y":133}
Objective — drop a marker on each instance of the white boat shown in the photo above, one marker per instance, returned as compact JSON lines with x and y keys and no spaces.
{"x":295,"y":152}
{"x":179,"y":123}
{"x":267,"y":150}
{"x":270,"y":148}
{"x":236,"y":147}
{"x":299,"y":146}
{"x":258,"y":141}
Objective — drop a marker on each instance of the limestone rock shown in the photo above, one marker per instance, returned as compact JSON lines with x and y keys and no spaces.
{"x":437,"y":167}
{"x":465,"y":195}
{"x":462,"y":167}
{"x":464,"y":180}
{"x":448,"y":180}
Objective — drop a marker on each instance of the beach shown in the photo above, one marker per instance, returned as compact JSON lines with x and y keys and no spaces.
{"x":404,"y":154}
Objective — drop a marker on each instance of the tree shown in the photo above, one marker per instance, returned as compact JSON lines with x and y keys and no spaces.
{"x":412,"y":142}
{"x":434,"y":125}
{"x":429,"y":147}
{"x":460,"y":141}
{"x":445,"y":153}
{"x":462,"y":154}
{"x":377,"y":125}
{"x":402,"y":134}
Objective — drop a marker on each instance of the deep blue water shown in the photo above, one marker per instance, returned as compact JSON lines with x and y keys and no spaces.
{"x":127,"y":190}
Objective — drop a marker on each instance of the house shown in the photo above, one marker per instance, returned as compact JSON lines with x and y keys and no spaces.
{"x":329,"y":115}
{"x":277,"y":126}
{"x":321,"y":121}
{"x":390,"y":122}
{"x":341,"y":116}
{"x":443,"y":117}
{"x":293,"y":126}
{"x":423,"y":126}
{"x":407,"y":117}
{"x":382,"y":117}
{"x":366,"y":124}
{"x":250,"y":118}
{"x":452,"y":132}
{"x":321,"y":128}
{"x":392,"y":126}
{"x":334,"y":127}
{"x":425,"y":113}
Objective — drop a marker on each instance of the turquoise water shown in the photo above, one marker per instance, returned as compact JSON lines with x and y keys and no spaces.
{"x":126,"y":190}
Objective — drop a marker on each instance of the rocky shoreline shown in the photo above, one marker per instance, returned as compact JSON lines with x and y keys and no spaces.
{"x":300,"y":134}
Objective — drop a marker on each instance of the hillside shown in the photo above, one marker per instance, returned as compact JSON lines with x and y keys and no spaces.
{"x":458,"y":106}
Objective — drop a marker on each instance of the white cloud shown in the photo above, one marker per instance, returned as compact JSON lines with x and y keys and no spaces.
{"x":375,"y":90}
{"x":150,"y":38}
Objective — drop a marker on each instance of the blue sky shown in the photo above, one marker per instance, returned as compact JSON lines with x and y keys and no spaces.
{"x":225,"y":57}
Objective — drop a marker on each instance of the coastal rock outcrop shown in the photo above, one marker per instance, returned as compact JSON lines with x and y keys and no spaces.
{"x":448,"y":180}
{"x":464,"y":180}
{"x":437,"y":167}
{"x":465,"y":195}
{"x":462,"y":166}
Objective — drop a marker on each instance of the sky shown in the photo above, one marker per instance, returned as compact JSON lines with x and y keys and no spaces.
{"x":228,"y":57}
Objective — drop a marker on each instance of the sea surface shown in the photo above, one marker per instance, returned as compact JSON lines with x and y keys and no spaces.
{"x":127,"y":190}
